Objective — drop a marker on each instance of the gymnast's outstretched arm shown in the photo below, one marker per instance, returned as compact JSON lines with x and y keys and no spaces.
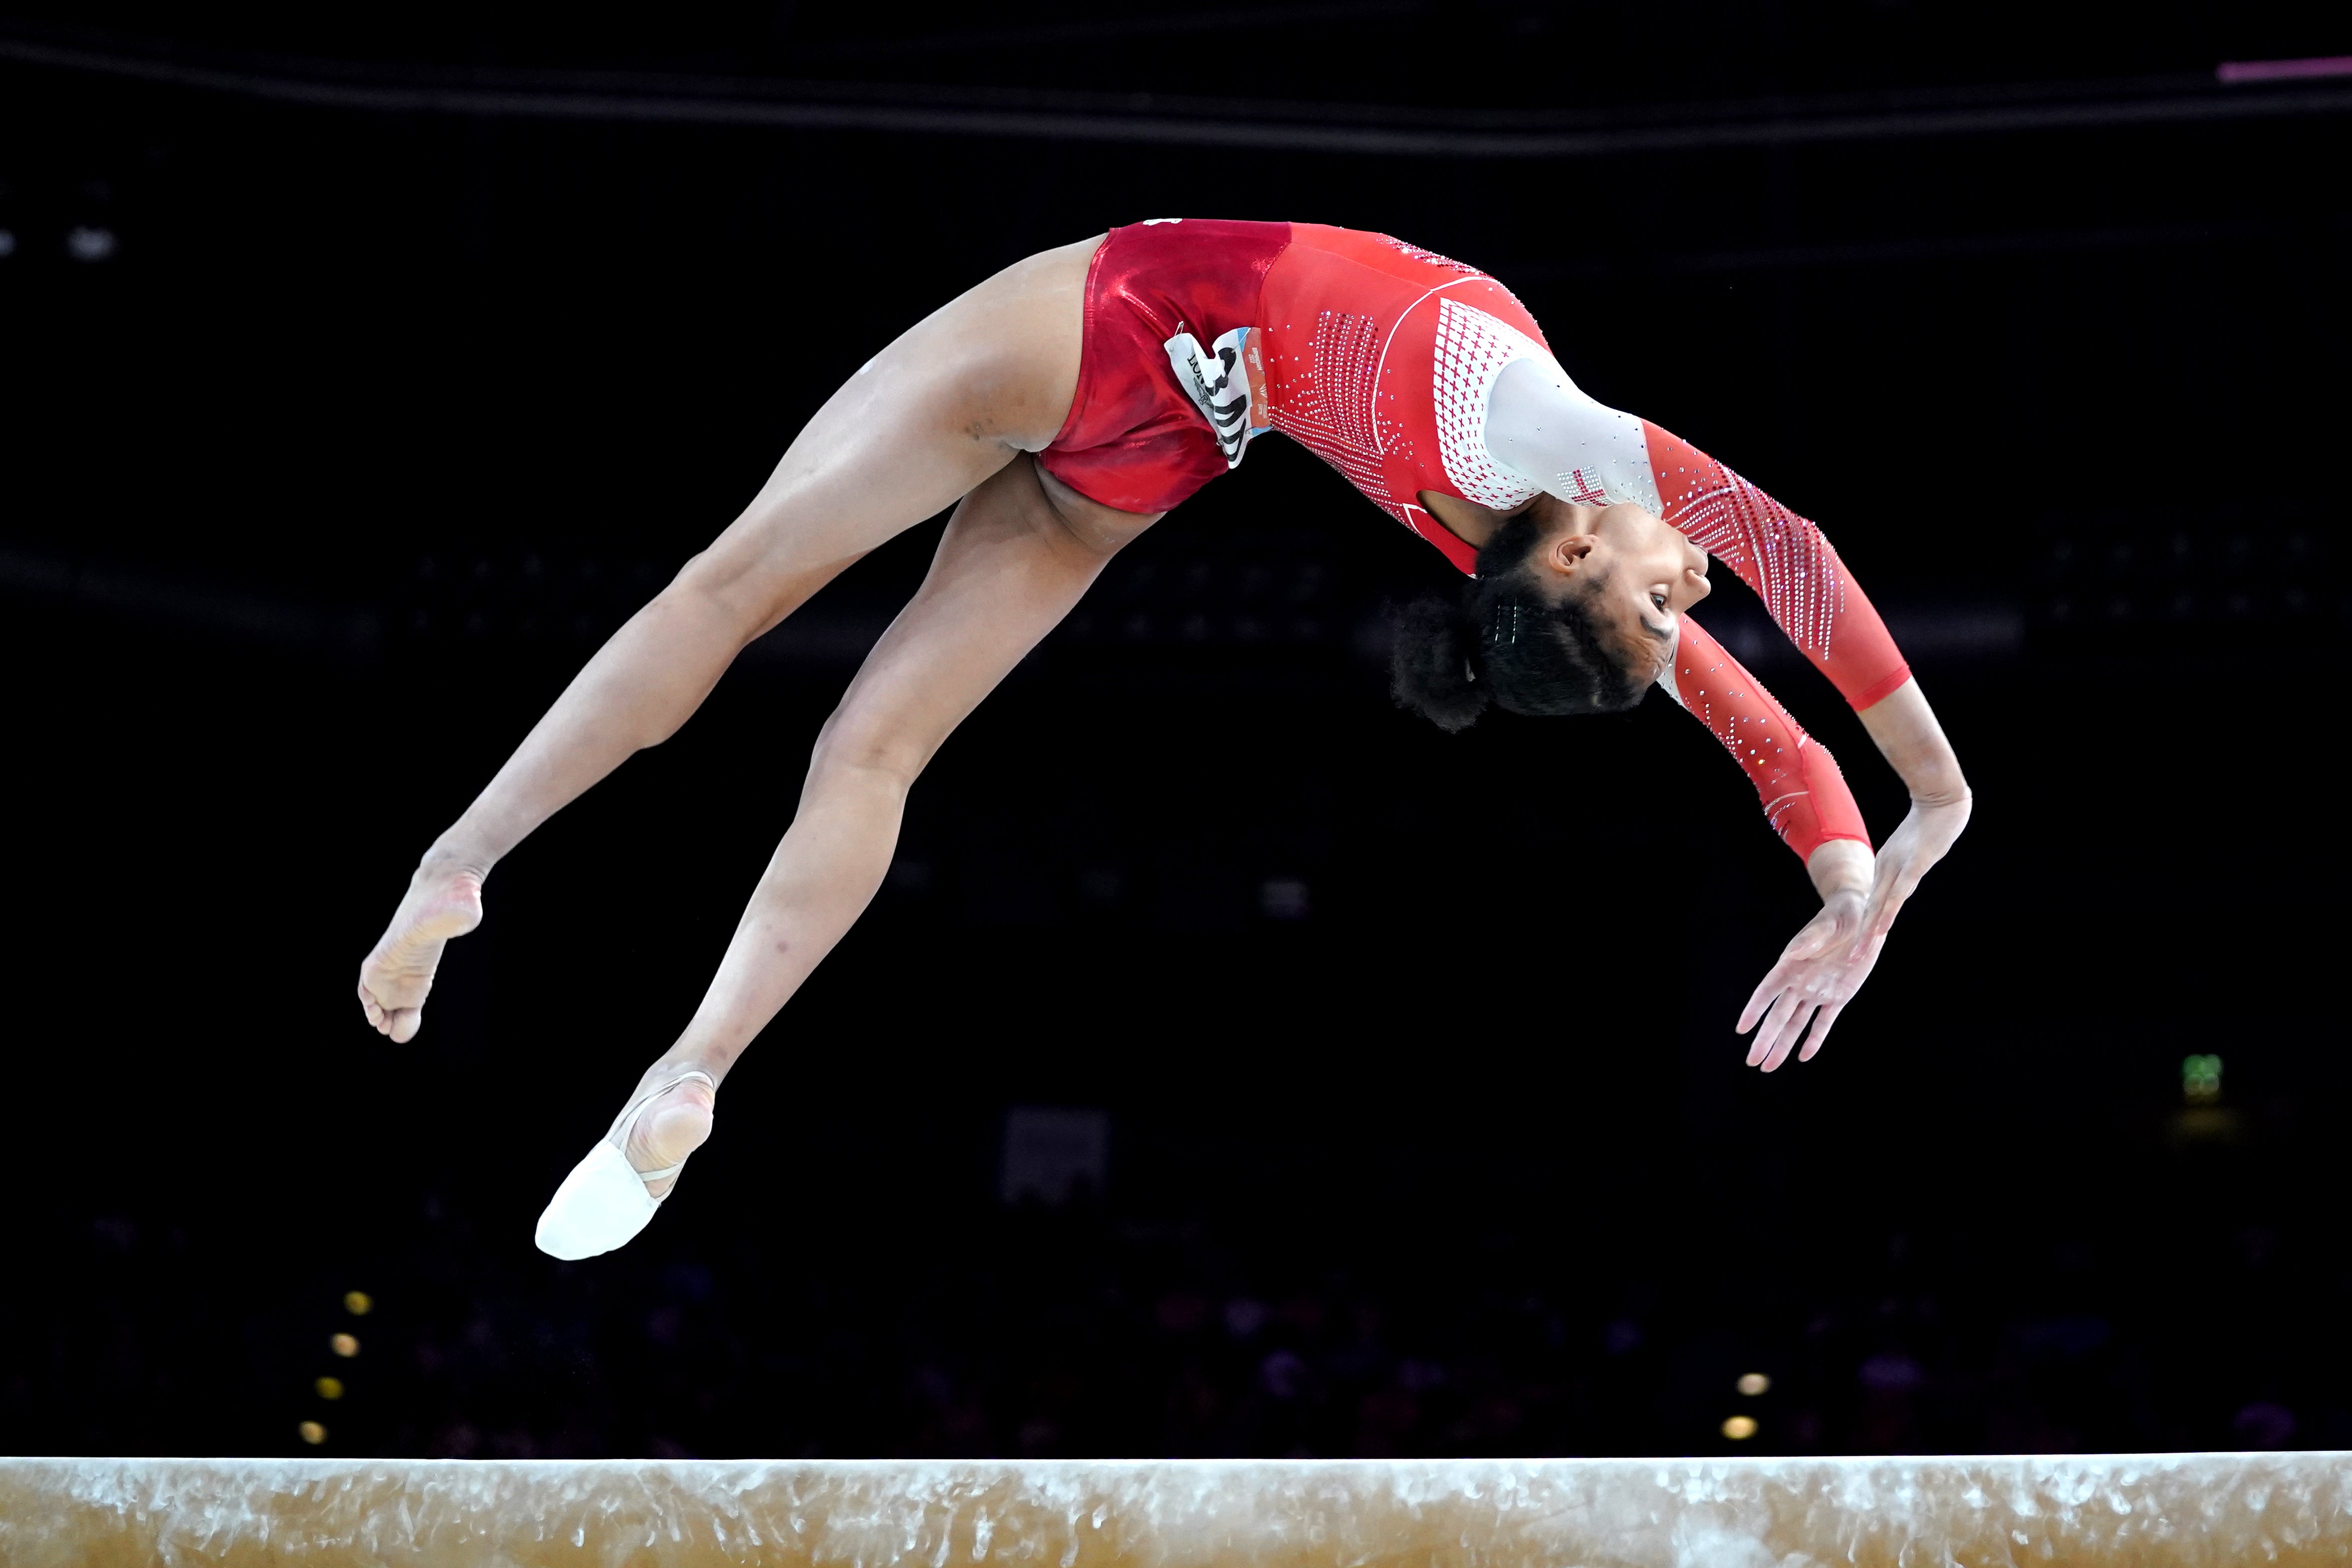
{"x":1807,"y":802}
{"x":1543,"y":427}
{"x":1826,"y":964}
{"x":1814,"y":599}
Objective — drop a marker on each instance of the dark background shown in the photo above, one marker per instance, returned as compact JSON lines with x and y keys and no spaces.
{"x":333,"y":439}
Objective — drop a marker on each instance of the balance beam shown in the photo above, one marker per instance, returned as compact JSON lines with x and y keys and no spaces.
{"x":2157,"y":1511}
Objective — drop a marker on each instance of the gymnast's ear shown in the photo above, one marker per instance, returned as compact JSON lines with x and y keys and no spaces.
{"x":1564,"y":554}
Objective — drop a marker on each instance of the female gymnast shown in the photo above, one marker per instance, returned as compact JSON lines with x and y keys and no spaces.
{"x":1064,"y":405}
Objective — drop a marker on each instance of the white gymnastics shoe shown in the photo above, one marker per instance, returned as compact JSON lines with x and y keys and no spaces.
{"x":603,"y":1202}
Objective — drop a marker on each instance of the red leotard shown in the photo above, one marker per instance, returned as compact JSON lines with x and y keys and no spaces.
{"x":1382,"y":359}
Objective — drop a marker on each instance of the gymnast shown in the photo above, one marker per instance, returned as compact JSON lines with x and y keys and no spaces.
{"x":1064,"y":406}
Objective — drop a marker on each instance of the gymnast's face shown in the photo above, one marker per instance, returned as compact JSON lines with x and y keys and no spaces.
{"x":1641,"y":574}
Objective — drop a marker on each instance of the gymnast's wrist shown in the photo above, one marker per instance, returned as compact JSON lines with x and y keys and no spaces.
{"x":1947,"y":789}
{"x":1840,"y":866}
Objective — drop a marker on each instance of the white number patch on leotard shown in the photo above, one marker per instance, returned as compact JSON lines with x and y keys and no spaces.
{"x":1226,"y":381}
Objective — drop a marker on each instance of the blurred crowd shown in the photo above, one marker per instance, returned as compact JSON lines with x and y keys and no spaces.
{"x":1026,"y":1330}
{"x":1073,"y":1335}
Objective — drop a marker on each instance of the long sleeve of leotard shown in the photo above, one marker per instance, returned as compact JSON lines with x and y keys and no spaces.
{"x":1805,"y":797}
{"x":1542,"y":428}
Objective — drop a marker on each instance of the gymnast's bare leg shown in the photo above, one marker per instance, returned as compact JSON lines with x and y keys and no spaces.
{"x":943,"y":413}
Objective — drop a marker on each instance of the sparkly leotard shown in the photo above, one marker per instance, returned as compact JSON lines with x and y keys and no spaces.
{"x":1408,"y":372}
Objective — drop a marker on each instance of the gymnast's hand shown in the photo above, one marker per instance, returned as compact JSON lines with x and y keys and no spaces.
{"x":1910,"y":852}
{"x":1826,"y":962}
{"x":1861,"y":895}
{"x":1822,"y":967}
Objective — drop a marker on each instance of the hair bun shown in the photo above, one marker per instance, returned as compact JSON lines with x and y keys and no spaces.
{"x":1433,"y":665}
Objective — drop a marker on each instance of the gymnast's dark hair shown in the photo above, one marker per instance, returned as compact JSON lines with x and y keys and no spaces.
{"x":1500,"y":642}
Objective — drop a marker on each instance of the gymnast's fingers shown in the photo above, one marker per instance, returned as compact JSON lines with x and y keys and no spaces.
{"x":1829,"y":1016}
{"x":1793,"y":959}
{"x":1767,"y":989}
{"x":1775,"y":1022}
{"x":1806,"y":1011}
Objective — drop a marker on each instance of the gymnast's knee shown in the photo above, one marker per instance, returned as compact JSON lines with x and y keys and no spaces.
{"x":857,"y":751}
{"x":722,"y":587}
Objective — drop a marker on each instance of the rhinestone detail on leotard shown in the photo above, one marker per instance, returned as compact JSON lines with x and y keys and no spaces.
{"x":1431,"y":257}
{"x":1804,"y":796}
{"x":1331,"y":411}
{"x":1783,"y":556}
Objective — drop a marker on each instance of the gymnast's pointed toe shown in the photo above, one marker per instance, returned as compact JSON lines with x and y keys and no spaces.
{"x":601,"y":1206}
{"x":606,"y":1201}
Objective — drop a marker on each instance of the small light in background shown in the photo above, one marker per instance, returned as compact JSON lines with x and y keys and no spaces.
{"x":1753,"y":1384}
{"x":1740,"y":1428}
{"x":88,"y":242}
{"x":312,"y":1433}
{"x":7,"y":243}
{"x":330,"y":1387}
{"x":344,"y":1344}
{"x":2200,"y":1079}
{"x":358,"y":1303}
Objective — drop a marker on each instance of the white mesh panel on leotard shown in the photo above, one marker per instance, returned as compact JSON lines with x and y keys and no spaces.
{"x":1473,"y":348}
{"x":1544,"y":432}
